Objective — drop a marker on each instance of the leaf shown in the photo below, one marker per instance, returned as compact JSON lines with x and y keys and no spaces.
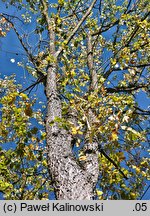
{"x":61,"y":2}
{"x":82,"y":158}
{"x":131,"y":130}
{"x":74,"y":130}
{"x":114,"y":136}
{"x":73,"y":73}
{"x":126,"y":118}
{"x":113,"y":61}
{"x":28,"y":111}
{"x":34,"y":130}
{"x":99,"y":193}
{"x":24,"y":96}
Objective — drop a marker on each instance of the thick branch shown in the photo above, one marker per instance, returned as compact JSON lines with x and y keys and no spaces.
{"x":90,"y":63}
{"x":68,"y":176}
{"x":90,"y":148}
{"x":77,"y":27}
{"x":44,"y":11}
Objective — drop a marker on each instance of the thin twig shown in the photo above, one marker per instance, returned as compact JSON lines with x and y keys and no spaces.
{"x":126,"y":89}
{"x":145,"y":192}
{"x":34,"y":84}
{"x":110,"y":159}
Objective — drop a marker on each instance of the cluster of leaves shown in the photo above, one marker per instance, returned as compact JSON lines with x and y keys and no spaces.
{"x":23,"y":167}
{"x":116,"y":128}
{"x":116,"y":124}
{"x":4,"y":26}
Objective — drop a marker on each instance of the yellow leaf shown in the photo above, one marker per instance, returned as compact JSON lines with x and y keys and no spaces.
{"x":82,"y":158}
{"x":33,"y":139}
{"x":138,"y":171}
{"x":114,"y":136}
{"x":99,"y":193}
{"x":44,"y":163}
{"x":61,"y":2}
{"x":24,"y":96}
{"x":31,"y":146}
{"x":59,"y":21}
{"x":78,"y":142}
{"x":80,"y":132}
{"x":73,"y":73}
{"x":48,"y":58}
{"x":74,"y":130}
{"x":133,"y":195}
{"x":113,"y":61}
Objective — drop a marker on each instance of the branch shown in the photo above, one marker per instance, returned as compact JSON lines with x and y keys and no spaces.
{"x":34,"y":84}
{"x":113,"y":162}
{"x":105,"y":28}
{"x":140,"y":65}
{"x":143,"y":112}
{"x":128,"y":89}
{"x":45,"y":13}
{"x":108,"y":72}
{"x":19,"y":37}
{"x":100,"y":7}
{"x":129,"y":3}
{"x":12,"y":16}
{"x":145,"y":192}
{"x":23,"y":45}
{"x":76,"y":28}
{"x":106,"y":75}
{"x":91,"y":63}
{"x":110,"y":25}
{"x":71,"y":15}
{"x":143,"y":45}
{"x":135,"y":30}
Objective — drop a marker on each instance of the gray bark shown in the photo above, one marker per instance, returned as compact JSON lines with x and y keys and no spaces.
{"x":71,"y":180}
{"x":90,"y":63}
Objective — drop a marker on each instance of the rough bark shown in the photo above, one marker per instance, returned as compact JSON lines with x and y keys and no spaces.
{"x":90,"y":63}
{"x":71,"y":180}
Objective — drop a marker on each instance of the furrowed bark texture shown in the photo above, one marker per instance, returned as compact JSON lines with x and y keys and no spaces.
{"x":72,"y":181}
{"x":90,"y":63}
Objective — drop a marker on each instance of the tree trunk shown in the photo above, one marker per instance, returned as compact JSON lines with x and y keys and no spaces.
{"x":70,"y":180}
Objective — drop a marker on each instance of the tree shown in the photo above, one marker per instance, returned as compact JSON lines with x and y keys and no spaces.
{"x":92,"y":58}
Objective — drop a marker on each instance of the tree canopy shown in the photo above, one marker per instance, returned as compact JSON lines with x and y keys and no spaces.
{"x":91,"y":59}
